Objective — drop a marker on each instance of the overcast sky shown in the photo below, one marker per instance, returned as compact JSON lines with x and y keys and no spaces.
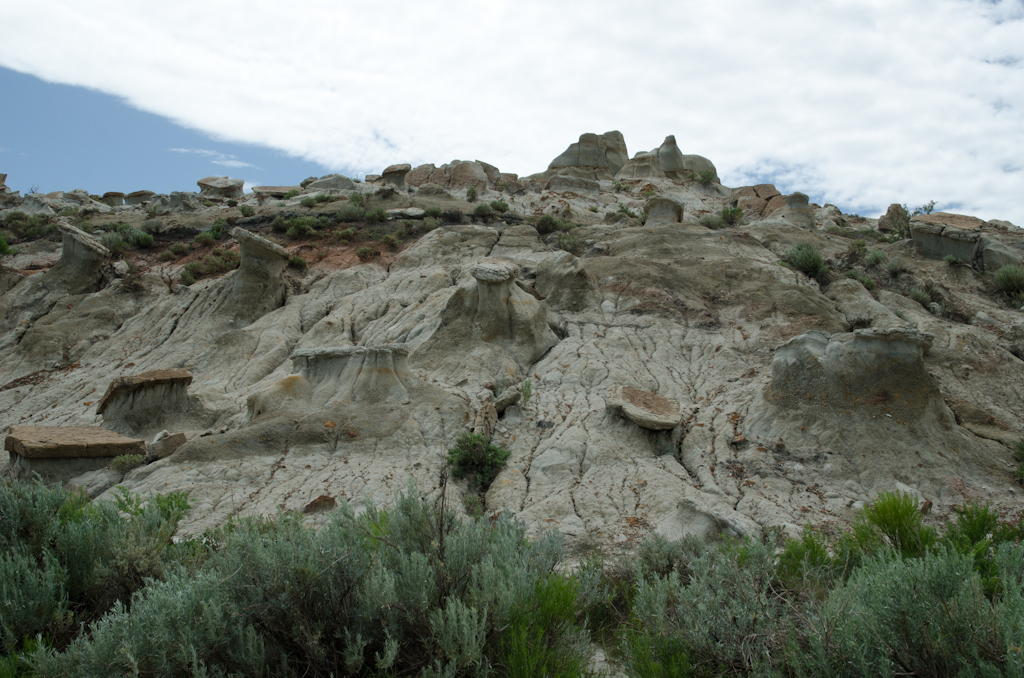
{"x":860,"y":104}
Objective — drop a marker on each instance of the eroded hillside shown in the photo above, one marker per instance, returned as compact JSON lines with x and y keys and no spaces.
{"x":686,"y":377}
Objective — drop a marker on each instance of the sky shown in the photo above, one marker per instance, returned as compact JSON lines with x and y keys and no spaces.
{"x":858,"y":103}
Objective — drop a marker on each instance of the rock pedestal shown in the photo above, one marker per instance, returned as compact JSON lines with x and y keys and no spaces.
{"x":221,"y":187}
{"x":645,"y":409}
{"x":144,"y":401}
{"x":395,"y":175}
{"x":259,"y":285}
{"x":59,"y":453}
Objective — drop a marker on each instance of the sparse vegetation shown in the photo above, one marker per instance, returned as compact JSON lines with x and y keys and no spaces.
{"x":308,"y":201}
{"x":297,"y":262}
{"x":471,"y":194}
{"x":920,"y":296}
{"x":569,"y":242}
{"x":204,"y":238}
{"x":525,"y":392}
{"x":376,"y":216}
{"x":385,"y":192}
{"x":705,"y":177}
{"x":619,"y":187}
{"x":474,"y":456}
{"x":806,"y":258}
{"x":430,"y":223}
{"x":366,"y":253}
{"x":499,"y":206}
{"x":350,"y":212}
{"x":452,"y":215}
{"x":551,"y":224}
{"x":732,"y":215}
{"x":954,"y":261}
{"x":217,"y":261}
{"x":712,"y":221}
{"x":628,"y":212}
{"x":1010,"y":281}
{"x":434,"y":212}
{"x":291,"y":194}
{"x":126,"y":462}
{"x":864,"y":280}
{"x":858,"y":247}
{"x":232,"y":203}
{"x":875,"y":257}
{"x":483,"y":212}
{"x":390,"y":241}
{"x":6,"y":249}
{"x":113,"y":242}
{"x":894,"y":267}
{"x":24,"y":226}
{"x":246,"y":210}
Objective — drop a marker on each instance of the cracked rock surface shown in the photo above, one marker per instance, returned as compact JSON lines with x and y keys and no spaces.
{"x":683,"y":381}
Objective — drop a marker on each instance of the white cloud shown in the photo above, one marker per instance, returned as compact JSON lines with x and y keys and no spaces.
{"x":858,"y":103}
{"x":215,"y":157}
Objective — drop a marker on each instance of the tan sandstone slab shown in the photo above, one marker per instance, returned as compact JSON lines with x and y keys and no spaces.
{"x":49,"y":442}
{"x":122,"y":385}
{"x":949,"y":219}
{"x":645,"y":409}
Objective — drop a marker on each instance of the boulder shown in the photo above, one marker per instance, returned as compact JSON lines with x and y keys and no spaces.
{"x":594,"y":157}
{"x":796,"y":210}
{"x":113,"y":198}
{"x":459,"y":174}
{"x":936,"y":240}
{"x":82,"y":263}
{"x":666,"y":161}
{"x":509,"y":183}
{"x":420,"y":175}
{"x":395,"y":175}
{"x":259,"y":285}
{"x":95,"y":483}
{"x":183,"y":201}
{"x":221,"y":187}
{"x":895,"y":219}
{"x":433,"y":189}
{"x":776,"y":202}
{"x":138,"y":197}
{"x":766,"y":191}
{"x":562,"y":183}
{"x":331,"y":182}
{"x":662,"y":209}
{"x":307,"y":181}
{"x":165,"y":447}
{"x":645,"y":409}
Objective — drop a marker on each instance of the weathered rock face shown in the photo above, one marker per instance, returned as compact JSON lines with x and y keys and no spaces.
{"x":331,"y":182}
{"x":145,"y":403}
{"x":796,"y":210}
{"x":113,"y":198}
{"x":343,"y":382}
{"x":221,"y":187}
{"x":666,"y":161}
{"x":594,"y":157}
{"x":894,"y":219}
{"x":138,"y":197}
{"x":395,"y":175}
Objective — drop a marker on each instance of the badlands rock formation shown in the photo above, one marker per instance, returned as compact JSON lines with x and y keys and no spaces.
{"x":683,"y":380}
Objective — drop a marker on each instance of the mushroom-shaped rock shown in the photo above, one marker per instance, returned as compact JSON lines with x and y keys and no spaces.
{"x":490,"y":319}
{"x":138,"y":197}
{"x":59,"y":453}
{"x":796,"y":210}
{"x":355,"y":374}
{"x":221,"y":187}
{"x":664,"y":209}
{"x":259,"y":285}
{"x":143,"y":401}
{"x":113,"y":199}
{"x":395,"y":175}
{"x":331,"y":182}
{"x":645,"y":409}
{"x":82,"y":259}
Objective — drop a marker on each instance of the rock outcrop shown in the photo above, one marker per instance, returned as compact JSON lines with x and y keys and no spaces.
{"x":58,"y":453}
{"x":395,"y":175}
{"x":593,"y":157}
{"x":666,"y":161}
{"x":221,"y":187}
{"x":331,"y":182}
{"x":144,"y":403}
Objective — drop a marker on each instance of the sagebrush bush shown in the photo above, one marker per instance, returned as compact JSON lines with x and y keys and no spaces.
{"x":894,"y":519}
{"x":291,"y":194}
{"x":204,"y":238}
{"x":712,"y":221}
{"x":390,"y":240}
{"x":309,"y":201}
{"x":152,"y":226}
{"x":1010,"y":280}
{"x":452,"y":215}
{"x":297,"y":262}
{"x":484,"y":212}
{"x":430,"y":223}
{"x":806,"y":258}
{"x":26,"y":226}
{"x":246,"y":210}
{"x":499,"y":206}
{"x":473,"y":455}
{"x":113,"y":242}
{"x":357,"y":199}
{"x":894,"y":267}
{"x":471,"y":194}
{"x":126,"y":462}
{"x":551,"y":224}
{"x":65,"y":561}
{"x":179,"y":248}
{"x":138,"y":238}
{"x":705,"y":177}
{"x":732,"y":215}
{"x":569,"y":242}
{"x":875,"y":257}
{"x":434,"y":212}
{"x":920,"y":296}
{"x":864,"y":280}
{"x":377,"y":215}
{"x":366,"y":253}
{"x":410,"y":591}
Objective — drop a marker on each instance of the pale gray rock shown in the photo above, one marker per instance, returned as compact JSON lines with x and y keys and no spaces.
{"x":662,"y":209}
{"x":561,"y":183}
{"x":331,"y":182}
{"x":395,"y":175}
{"x":113,"y":199}
{"x":593,"y":157}
{"x":181,"y":201}
{"x":221,"y":187}
{"x":138,"y":197}
{"x":797,"y":211}
{"x":95,"y":483}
